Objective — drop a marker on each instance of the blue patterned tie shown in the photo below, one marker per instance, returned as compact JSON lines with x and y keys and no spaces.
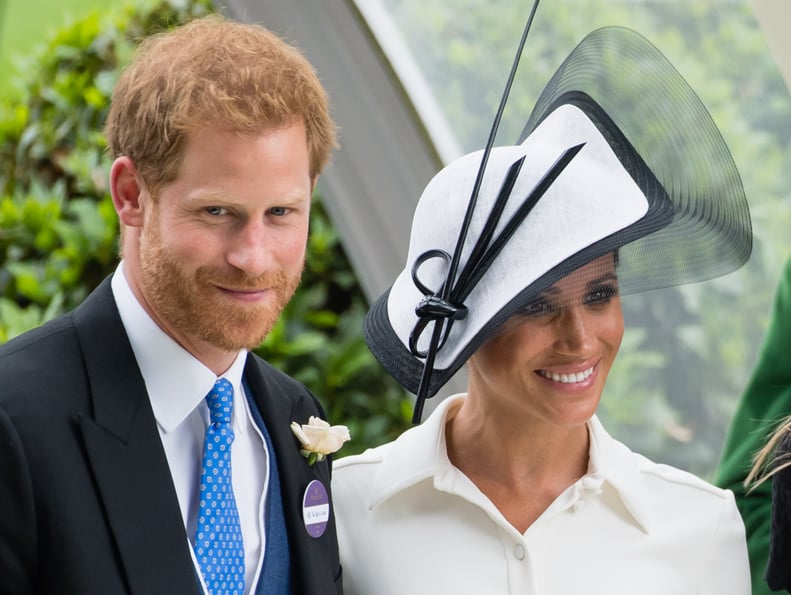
{"x":218,"y":539}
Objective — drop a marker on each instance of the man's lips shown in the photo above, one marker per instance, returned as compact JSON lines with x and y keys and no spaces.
{"x":245,"y":294}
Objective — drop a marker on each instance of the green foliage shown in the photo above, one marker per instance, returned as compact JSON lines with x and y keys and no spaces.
{"x":58,"y":226}
{"x":57,"y":221}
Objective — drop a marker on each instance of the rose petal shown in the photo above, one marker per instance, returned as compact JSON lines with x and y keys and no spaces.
{"x":319,"y":437}
{"x":297,"y":430}
{"x":317,"y":421}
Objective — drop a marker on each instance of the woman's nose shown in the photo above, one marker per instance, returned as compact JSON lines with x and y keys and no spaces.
{"x":574,"y":330}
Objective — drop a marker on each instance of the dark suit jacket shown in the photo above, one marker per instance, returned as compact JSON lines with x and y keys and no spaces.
{"x":87,"y":504}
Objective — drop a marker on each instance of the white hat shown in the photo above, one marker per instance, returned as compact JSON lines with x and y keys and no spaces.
{"x":615,"y":159}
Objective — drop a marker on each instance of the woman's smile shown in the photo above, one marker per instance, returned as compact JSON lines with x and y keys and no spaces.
{"x":567,"y":377}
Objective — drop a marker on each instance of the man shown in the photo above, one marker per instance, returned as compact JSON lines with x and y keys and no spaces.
{"x":114,"y":476}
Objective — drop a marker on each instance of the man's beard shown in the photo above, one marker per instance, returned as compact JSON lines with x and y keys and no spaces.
{"x":192,"y":305}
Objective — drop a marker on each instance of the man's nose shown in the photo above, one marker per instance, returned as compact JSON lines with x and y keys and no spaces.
{"x":250,"y":249}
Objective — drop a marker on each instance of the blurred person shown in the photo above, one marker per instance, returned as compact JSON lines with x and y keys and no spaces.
{"x":763,"y":494}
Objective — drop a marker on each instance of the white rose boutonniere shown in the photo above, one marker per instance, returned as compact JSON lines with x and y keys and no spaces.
{"x":318,"y":438}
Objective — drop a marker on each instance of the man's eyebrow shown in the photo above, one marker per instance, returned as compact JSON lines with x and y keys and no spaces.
{"x":222,"y":198}
{"x":207,"y":197}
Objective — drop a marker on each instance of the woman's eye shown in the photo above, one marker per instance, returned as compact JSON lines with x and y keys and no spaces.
{"x":538,"y":307}
{"x":601,"y":294}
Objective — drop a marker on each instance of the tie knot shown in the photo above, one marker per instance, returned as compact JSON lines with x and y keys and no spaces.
{"x":220,"y":402}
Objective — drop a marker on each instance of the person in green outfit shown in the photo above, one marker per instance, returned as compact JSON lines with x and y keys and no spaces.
{"x":765,"y":402}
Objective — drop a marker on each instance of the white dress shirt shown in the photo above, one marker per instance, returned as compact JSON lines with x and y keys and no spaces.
{"x":409,"y":522}
{"x":177,"y":385}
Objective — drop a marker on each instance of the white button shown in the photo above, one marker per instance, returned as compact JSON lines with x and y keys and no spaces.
{"x":519,"y":551}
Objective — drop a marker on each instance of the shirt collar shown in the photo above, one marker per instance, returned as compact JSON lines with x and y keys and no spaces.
{"x":621,"y":468}
{"x":420,"y":453}
{"x":176,"y":381}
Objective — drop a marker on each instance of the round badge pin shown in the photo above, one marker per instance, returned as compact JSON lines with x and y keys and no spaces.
{"x":315,"y":508}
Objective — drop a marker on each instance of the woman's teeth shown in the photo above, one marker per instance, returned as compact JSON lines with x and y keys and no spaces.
{"x":567,"y":378}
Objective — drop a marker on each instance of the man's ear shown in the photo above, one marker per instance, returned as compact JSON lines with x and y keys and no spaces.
{"x":126,"y":189}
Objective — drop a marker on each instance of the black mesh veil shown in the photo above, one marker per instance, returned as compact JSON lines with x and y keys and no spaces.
{"x":626,"y":79}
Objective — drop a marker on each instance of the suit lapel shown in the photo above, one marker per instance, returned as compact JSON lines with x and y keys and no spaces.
{"x":281,"y":401}
{"x":127,"y":457}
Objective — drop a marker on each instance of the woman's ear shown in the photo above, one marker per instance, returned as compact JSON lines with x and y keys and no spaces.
{"x":126,"y":189}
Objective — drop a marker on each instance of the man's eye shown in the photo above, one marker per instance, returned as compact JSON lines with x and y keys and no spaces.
{"x":601,"y":294}
{"x":216,"y":211}
{"x":278,"y":211}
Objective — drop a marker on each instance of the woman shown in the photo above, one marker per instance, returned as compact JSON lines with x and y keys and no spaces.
{"x":515,"y":486}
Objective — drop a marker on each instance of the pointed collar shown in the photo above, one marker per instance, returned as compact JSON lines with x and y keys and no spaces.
{"x":176,"y":381}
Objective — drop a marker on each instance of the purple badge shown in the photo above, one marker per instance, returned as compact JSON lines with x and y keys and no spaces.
{"x":316,"y":508}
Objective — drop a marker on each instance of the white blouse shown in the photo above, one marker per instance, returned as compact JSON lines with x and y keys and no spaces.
{"x":410,"y":523}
